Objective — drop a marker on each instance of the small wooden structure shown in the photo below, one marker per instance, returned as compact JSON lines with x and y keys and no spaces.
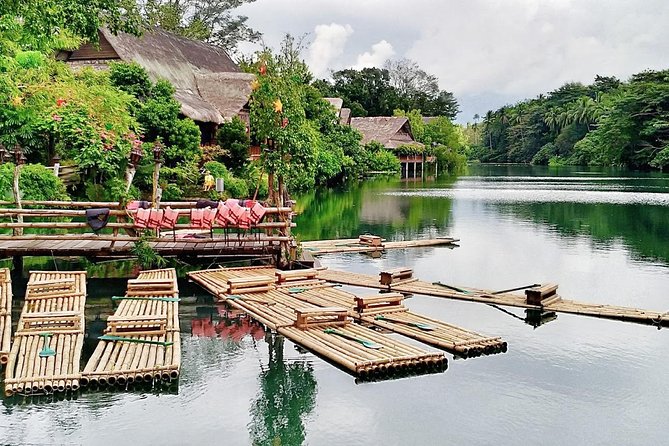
{"x":396,"y":276}
{"x":142,"y":341}
{"x":47,"y":346}
{"x":5,"y":315}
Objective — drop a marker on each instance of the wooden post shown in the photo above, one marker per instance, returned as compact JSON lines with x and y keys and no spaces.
{"x":157,"y":160}
{"x":129,"y":175}
{"x":17,"y":198}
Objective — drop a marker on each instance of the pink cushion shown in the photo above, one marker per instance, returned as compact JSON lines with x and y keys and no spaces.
{"x":208,"y":217}
{"x":142,"y":218}
{"x":155,"y":218}
{"x":170,"y":218}
{"x":196,"y":216}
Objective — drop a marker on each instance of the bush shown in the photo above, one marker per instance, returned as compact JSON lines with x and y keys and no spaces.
{"x":232,"y":138}
{"x":39,"y":183}
{"x":384,"y":161}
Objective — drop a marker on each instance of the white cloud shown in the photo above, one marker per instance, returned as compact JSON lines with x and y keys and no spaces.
{"x":381,"y":52}
{"x":327,"y":47}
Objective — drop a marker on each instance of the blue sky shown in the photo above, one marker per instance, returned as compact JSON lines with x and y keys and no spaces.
{"x":487,"y":52}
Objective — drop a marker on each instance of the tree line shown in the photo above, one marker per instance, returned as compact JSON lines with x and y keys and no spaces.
{"x":606,"y":123}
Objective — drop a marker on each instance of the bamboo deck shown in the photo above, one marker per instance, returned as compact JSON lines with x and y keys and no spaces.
{"x":276,"y":308}
{"x":399,"y":319}
{"x":321,"y":247}
{"x":503,"y":299}
{"x":146,"y":343}
{"x":54,"y":305}
{"x":5,"y":315}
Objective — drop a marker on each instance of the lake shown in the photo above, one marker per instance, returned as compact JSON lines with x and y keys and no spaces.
{"x":602,"y":235}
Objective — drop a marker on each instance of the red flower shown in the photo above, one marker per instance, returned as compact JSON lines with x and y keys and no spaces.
{"x":263,"y":69}
{"x":284,"y":123}
{"x":60,"y":102}
{"x":57,"y":118}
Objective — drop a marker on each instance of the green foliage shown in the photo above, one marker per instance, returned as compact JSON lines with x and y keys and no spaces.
{"x":146,"y":256}
{"x":55,"y":24}
{"x":207,"y":20}
{"x":401,"y":84}
{"x":449,"y":160}
{"x":158,"y":113}
{"x":609,"y":123}
{"x":233,"y":139}
{"x":384,"y":161}
{"x":36,"y":182}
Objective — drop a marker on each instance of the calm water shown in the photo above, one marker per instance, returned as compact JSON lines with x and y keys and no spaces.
{"x":603,"y":236}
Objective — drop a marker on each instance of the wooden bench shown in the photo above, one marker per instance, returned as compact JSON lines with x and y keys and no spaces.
{"x":51,"y":321}
{"x":370,"y":240}
{"x":148,"y":325}
{"x":320,"y":316}
{"x":250,"y":284}
{"x":51,"y":288}
{"x":396,"y":275}
{"x":297,"y":274}
{"x":150,"y":285}
{"x":538,"y":296}
{"x":379,"y":303}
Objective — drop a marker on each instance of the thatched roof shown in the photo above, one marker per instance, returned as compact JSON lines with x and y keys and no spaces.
{"x":209,"y":85}
{"x":337,"y":103}
{"x":228,"y":92}
{"x":392,"y":132}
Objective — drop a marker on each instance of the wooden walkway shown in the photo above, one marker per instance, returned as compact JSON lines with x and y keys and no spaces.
{"x":5,"y":315}
{"x":508,"y":299}
{"x":340,"y":246}
{"x":142,"y":341}
{"x":90,"y":245}
{"x":46,"y":352}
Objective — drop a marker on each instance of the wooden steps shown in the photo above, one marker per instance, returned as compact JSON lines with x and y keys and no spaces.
{"x":45,"y":355}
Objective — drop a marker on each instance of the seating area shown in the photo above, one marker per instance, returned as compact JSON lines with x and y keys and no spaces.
{"x":241,"y":215}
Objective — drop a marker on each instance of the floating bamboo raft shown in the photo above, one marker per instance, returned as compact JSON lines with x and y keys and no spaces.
{"x":554,"y":303}
{"x":142,"y":341}
{"x":5,"y":315}
{"x":47,"y":346}
{"x":310,"y":312}
{"x":386,"y":311}
{"x":371,"y":244}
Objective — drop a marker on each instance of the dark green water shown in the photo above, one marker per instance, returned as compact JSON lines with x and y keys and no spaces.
{"x":602,"y":235}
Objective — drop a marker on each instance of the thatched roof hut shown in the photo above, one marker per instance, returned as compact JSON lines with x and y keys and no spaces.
{"x":392,"y":131}
{"x":209,"y":85}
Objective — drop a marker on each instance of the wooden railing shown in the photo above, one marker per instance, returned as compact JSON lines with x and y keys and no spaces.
{"x":39,"y":214}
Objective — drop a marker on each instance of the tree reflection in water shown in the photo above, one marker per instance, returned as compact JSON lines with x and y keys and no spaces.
{"x":287,"y":394}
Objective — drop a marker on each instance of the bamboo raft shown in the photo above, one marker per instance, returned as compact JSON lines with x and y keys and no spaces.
{"x":386,"y":311}
{"x":302,"y":307}
{"x":46,"y":352}
{"x":5,"y":315}
{"x":142,"y":341}
{"x":370,"y":244}
{"x":551,"y":303}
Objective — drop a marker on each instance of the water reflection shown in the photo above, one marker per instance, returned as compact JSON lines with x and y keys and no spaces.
{"x":365,"y":208}
{"x":287,"y":396}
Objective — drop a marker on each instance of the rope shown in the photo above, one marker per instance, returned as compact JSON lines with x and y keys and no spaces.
{"x":658,"y":321}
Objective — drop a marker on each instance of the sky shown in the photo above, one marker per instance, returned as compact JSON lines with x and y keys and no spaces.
{"x":487,"y":52}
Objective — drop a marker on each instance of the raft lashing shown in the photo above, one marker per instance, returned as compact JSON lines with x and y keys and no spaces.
{"x":5,"y":315}
{"x":46,"y":352}
{"x":312,"y":313}
{"x":141,"y":343}
{"x":540,"y":297}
